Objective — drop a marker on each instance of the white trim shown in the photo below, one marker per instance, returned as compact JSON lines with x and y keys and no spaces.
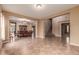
{"x":57,"y":35}
{"x":74,"y":44}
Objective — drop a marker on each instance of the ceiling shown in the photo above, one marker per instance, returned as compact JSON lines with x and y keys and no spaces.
{"x":20,"y":20}
{"x":30,"y":11}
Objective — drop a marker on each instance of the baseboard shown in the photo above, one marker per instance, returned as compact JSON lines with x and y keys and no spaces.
{"x":74,"y":44}
{"x":40,"y":37}
{"x":57,"y":35}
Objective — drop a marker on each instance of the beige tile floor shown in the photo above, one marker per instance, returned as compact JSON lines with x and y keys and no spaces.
{"x":48,"y":46}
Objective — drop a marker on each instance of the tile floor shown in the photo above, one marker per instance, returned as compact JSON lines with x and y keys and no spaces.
{"x":47,"y":46}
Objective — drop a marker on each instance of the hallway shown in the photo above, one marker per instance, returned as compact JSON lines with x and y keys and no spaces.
{"x":48,"y":46}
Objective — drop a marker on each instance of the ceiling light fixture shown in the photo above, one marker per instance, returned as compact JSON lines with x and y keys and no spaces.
{"x":38,"y":6}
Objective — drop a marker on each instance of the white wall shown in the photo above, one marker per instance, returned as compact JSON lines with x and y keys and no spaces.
{"x":40,"y":29}
{"x":0,"y":22}
{"x":56,"y":22}
{"x":2,"y":25}
{"x":6,"y":26}
{"x":74,"y":29}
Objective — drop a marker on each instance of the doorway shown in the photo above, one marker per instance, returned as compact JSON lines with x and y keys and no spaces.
{"x":13,"y":27}
{"x":65,"y":32}
{"x":12,"y":31}
{"x":33,"y":31}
